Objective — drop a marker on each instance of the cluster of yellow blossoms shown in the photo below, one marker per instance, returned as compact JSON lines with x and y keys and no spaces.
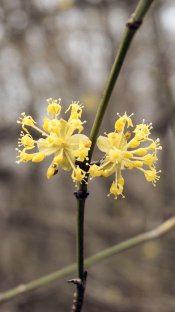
{"x":57,"y":138}
{"x":123,"y":149}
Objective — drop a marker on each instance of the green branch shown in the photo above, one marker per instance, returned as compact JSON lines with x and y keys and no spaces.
{"x":131,"y":27}
{"x":158,"y":232}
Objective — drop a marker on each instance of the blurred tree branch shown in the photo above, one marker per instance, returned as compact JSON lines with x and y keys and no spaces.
{"x":156,"y":233}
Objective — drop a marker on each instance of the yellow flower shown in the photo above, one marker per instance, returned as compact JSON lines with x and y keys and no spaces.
{"x":127,"y":150}
{"x":57,"y":138}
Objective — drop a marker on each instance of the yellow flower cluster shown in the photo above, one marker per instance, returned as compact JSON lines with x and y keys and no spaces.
{"x":123,"y":149}
{"x":127,"y":150}
{"x":57,"y":139}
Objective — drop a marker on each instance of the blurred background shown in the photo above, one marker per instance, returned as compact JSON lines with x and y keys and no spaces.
{"x":52,"y":48}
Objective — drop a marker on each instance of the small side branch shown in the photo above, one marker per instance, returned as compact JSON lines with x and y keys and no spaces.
{"x":79,"y":292}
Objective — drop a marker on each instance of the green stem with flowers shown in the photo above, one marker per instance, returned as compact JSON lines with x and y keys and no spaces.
{"x":27,"y":141}
{"x":131,"y":27}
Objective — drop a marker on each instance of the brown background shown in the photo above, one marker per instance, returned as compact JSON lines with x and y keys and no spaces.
{"x":66,"y":49}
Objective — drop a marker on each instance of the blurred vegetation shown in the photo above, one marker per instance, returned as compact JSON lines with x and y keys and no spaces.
{"x":66,"y":49}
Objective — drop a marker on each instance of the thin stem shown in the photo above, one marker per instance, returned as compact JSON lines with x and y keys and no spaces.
{"x":131,"y":27}
{"x":80,"y":237}
{"x":80,"y":282}
{"x":156,"y":233}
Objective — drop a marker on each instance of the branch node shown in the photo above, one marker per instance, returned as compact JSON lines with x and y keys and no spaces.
{"x":75,"y":281}
{"x":79,"y":293}
{"x":83,"y":165}
{"x":81,"y":194}
{"x":78,"y":281}
{"x":133,"y":24}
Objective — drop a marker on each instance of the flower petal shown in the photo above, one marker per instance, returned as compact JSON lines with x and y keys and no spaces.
{"x":77,"y":139}
{"x":104,"y":144}
{"x":45,"y":148}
